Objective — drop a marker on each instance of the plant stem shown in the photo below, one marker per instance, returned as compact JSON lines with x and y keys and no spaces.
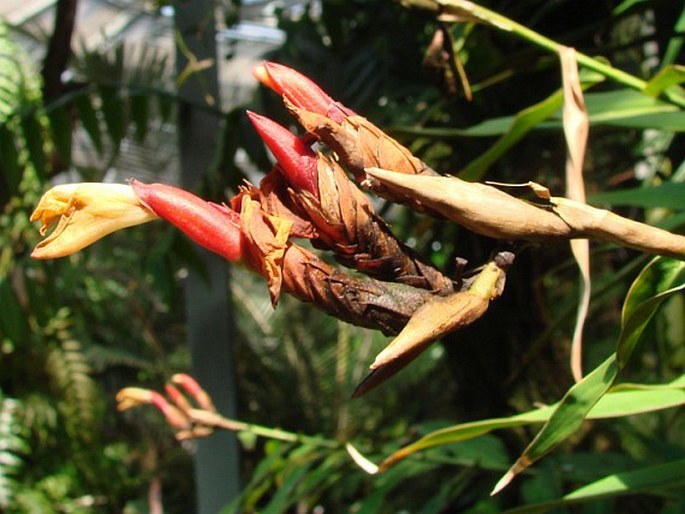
{"x":214,"y":420}
{"x":460,"y":9}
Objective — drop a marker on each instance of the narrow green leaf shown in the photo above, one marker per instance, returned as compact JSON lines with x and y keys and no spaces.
{"x":652,"y":286}
{"x":675,"y":44}
{"x":625,"y":400}
{"x":566,"y":418}
{"x":284,"y":497}
{"x":60,"y":128}
{"x":667,"y":77}
{"x":666,"y":121}
{"x":89,"y":120}
{"x":653,"y":479}
{"x":626,"y":5}
{"x":660,"y":279}
{"x":628,"y":108}
{"x":522,"y":124}
{"x":622,"y":108}
{"x":670,"y":195}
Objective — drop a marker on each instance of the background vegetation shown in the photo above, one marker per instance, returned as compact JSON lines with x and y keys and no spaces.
{"x":75,"y":330}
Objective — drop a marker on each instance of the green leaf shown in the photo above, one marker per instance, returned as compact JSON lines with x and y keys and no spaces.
{"x":660,"y":279}
{"x":628,"y":108}
{"x":652,"y":286}
{"x":566,"y":418}
{"x":666,"y":121}
{"x":662,"y":476}
{"x":675,"y":43}
{"x":653,"y":479}
{"x":522,"y":124}
{"x":622,"y":108}
{"x":624,"y":400}
{"x":670,"y":195}
{"x":667,"y":79}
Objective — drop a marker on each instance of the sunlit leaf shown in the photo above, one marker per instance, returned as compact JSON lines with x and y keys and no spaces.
{"x":667,"y":78}
{"x":522,"y":123}
{"x":670,"y":195}
{"x":660,"y":279}
{"x":655,"y":283}
{"x":628,"y":400}
{"x":653,"y":479}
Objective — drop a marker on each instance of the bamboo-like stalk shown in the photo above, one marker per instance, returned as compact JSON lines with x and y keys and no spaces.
{"x":460,"y":10}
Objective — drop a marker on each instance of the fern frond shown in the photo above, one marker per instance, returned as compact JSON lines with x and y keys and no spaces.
{"x":12,"y":446}
{"x":69,"y":370}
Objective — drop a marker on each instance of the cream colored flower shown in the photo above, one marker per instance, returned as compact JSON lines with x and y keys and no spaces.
{"x":83,"y":213}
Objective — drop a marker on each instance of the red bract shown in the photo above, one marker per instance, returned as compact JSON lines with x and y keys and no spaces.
{"x":210,"y":225}
{"x":296,"y":160}
{"x":300,"y":91}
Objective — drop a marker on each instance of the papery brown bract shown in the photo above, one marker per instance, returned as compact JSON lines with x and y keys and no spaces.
{"x":341,"y":214}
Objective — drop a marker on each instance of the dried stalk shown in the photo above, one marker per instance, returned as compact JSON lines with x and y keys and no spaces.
{"x":491,"y":212}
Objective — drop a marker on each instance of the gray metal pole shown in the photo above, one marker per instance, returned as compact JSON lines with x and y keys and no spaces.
{"x":208,"y":304}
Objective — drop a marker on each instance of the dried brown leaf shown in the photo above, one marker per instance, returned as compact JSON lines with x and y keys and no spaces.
{"x":576,"y":127}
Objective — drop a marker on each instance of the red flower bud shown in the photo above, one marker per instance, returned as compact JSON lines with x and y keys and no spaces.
{"x":213,"y":226}
{"x":190,"y":385}
{"x":297,"y":161}
{"x":300,"y":90}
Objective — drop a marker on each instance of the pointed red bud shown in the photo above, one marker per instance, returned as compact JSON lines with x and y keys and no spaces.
{"x":297,"y":161}
{"x":190,"y":385}
{"x":213,"y":226}
{"x":301,"y":91}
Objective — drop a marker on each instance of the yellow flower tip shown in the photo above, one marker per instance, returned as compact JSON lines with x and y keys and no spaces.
{"x":83,"y":213}
{"x":261,"y":73}
{"x":130,"y":397}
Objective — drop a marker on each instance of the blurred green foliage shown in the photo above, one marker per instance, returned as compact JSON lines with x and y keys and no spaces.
{"x":75,"y":330}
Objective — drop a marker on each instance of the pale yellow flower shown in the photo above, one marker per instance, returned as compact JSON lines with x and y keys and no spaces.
{"x":83,"y":213}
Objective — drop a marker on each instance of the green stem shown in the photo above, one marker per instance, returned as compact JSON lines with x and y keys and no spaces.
{"x":215,"y":420}
{"x":469,"y":10}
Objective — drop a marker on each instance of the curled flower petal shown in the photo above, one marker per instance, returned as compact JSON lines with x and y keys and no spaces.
{"x":213,"y":226}
{"x":300,"y":90}
{"x":83,"y":213}
{"x":131,"y":397}
{"x":296,"y":160}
